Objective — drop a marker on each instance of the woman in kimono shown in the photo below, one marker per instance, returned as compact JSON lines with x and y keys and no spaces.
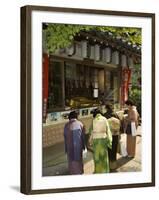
{"x":102,"y":140}
{"x":132,"y":117}
{"x":114,"y":124}
{"x":74,"y":144}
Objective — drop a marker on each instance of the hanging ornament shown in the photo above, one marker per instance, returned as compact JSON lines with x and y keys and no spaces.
{"x":78,"y":49}
{"x":84,"y":48}
{"x":130,"y":62}
{"x":70,"y":50}
{"x":92,"y":52}
{"x":123,"y":61}
{"x":97,"y":52}
{"x":115,"y":57}
{"x":108,"y":54}
{"x":103,"y":55}
{"x":95,"y":92}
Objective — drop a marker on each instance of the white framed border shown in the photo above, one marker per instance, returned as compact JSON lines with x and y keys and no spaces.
{"x":38,"y":182}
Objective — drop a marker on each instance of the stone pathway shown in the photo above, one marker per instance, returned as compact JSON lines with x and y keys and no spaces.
{"x":55,"y":161}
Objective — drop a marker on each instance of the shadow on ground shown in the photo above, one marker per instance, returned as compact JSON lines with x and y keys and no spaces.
{"x":55,"y":161}
{"x":16,"y":188}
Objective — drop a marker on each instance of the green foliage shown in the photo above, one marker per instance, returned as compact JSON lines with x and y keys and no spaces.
{"x":135,"y":92}
{"x":61,"y":35}
{"x":136,"y":74}
{"x":135,"y":96}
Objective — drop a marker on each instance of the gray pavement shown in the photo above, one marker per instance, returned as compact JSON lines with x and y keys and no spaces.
{"x":55,"y":161}
{"x":132,"y":164}
{"x":125,"y":164}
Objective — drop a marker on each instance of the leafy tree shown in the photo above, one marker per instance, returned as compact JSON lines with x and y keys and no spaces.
{"x":135,"y":95}
{"x":135,"y":92}
{"x":62,"y":35}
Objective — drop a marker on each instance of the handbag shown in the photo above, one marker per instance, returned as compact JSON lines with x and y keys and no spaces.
{"x":122,"y":145}
{"x":133,"y":129}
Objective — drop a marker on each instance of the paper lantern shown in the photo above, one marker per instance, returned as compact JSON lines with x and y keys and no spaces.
{"x":70,"y":50}
{"x":107,"y":54}
{"x":92,"y":52}
{"x":103,"y":55}
{"x":96,"y":85}
{"x":123,"y":61}
{"x":130,"y":62}
{"x":84,"y":49}
{"x":115,"y":58}
{"x":97,"y":52}
{"x":95,"y":92}
{"x":78,"y":50}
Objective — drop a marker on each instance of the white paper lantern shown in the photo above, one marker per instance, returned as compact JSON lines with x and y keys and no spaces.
{"x":78,"y":50}
{"x":84,"y":49}
{"x":96,"y":84}
{"x":103,"y":55}
{"x":115,"y":57}
{"x":95,"y":93}
{"x":92,"y":52}
{"x":97,"y":52}
{"x":130,"y":62}
{"x":123,"y":61}
{"x":70,"y":50}
{"x":107,"y":54}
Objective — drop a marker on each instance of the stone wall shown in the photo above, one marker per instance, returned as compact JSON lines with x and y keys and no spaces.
{"x":53,"y":133}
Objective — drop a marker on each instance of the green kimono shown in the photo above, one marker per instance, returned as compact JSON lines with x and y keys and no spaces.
{"x":102,"y":140}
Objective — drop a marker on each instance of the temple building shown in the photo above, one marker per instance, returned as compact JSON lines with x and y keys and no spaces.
{"x":94,"y":70}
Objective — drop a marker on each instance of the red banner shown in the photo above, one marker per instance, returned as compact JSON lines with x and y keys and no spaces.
{"x":45,"y":84}
{"x":126,"y":75}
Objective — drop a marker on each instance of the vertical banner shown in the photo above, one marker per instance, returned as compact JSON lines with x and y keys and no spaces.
{"x":126,"y":75}
{"x":45,"y":84}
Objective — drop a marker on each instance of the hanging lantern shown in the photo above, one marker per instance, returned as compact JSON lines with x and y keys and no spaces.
{"x":97,"y":52}
{"x":103,"y":55}
{"x":107,"y":54}
{"x":115,"y":58}
{"x":123,"y":61}
{"x":84,"y":49}
{"x":92,"y":52}
{"x":96,"y":85}
{"x":95,"y":92}
{"x":78,"y":49}
{"x":70,"y":50}
{"x":130,"y":62}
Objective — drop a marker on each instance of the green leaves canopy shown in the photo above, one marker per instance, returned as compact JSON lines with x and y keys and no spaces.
{"x":61,"y":35}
